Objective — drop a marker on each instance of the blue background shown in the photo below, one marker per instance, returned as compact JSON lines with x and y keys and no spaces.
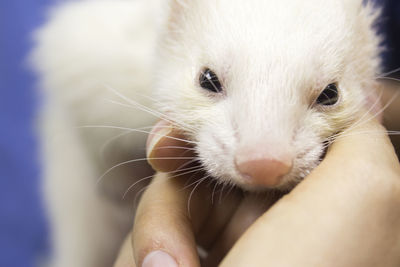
{"x":22,"y":222}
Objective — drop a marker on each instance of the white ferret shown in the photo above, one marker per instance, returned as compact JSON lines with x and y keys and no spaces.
{"x":260,"y":86}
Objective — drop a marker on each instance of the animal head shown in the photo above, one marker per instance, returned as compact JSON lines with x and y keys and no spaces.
{"x":262,"y":86}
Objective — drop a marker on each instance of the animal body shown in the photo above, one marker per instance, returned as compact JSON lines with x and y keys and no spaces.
{"x":260,"y":86}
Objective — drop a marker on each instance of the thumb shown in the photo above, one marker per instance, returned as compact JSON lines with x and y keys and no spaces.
{"x":168,"y":149}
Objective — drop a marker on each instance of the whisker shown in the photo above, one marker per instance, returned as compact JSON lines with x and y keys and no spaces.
{"x":133,"y":102}
{"x":164,"y":117}
{"x":138,"y":160}
{"x":109,"y":141}
{"x":188,"y":163}
{"x":143,"y":189}
{"x":139,"y":194}
{"x":389,"y":79}
{"x":232,"y":186}
{"x":187,"y":186}
{"x":114,"y":138}
{"x":358,"y":122}
{"x":390,"y":133}
{"x":135,"y":183}
{"x":383,"y":75}
{"x":180,"y":172}
{"x":213,"y":191}
{"x":221,"y":192}
{"x":135,"y":130}
{"x":149,"y":97}
{"x":192,"y":192}
{"x":352,"y":125}
{"x":382,"y":109}
{"x":144,"y":108}
{"x":153,"y":113}
{"x":175,"y":147}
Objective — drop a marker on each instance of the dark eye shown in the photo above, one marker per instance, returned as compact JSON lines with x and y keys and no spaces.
{"x":329,"y":96}
{"x":209,"y":81}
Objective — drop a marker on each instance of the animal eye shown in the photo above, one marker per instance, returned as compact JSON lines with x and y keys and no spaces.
{"x":329,"y":96}
{"x":209,"y":81}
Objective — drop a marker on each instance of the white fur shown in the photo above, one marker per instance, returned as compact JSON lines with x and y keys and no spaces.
{"x":86,"y":48}
{"x":272,"y":57}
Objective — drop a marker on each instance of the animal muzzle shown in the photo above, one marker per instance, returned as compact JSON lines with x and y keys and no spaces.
{"x":263,"y":170}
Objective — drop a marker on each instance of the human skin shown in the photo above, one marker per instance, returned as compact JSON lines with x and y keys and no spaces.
{"x":391,"y":91}
{"x":345,"y":213}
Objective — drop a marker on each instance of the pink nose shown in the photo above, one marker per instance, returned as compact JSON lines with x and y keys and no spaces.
{"x":264,"y":171}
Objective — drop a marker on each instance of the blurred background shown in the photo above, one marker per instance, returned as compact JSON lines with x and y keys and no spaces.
{"x":23,"y":231}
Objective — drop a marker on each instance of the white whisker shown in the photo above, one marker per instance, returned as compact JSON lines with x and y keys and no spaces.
{"x":384,"y":75}
{"x":221,"y":192}
{"x":390,"y":133}
{"x":358,"y":122}
{"x":192,"y":192}
{"x":180,"y":172}
{"x":134,"y":130}
{"x":138,"y":194}
{"x":213,"y":192}
{"x":147,"y":109}
{"x":114,"y":138}
{"x":139,"y":160}
{"x":175,"y":147}
{"x":382,"y":109}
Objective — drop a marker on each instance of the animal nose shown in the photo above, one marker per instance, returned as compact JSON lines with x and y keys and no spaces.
{"x":264,"y":171}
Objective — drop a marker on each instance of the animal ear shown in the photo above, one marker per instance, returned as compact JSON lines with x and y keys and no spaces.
{"x":360,"y":7}
{"x":357,"y":5}
{"x":177,"y":5}
{"x":176,"y":12}
{"x":367,"y":8}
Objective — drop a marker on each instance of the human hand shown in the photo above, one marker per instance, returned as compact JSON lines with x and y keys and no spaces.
{"x":346,"y":213}
{"x":341,"y":211}
{"x":175,"y":215}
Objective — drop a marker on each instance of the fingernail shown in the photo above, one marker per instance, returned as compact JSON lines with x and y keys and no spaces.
{"x":160,"y":130}
{"x":159,"y":258}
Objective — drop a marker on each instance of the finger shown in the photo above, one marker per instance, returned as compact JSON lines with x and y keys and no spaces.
{"x":365,"y":142}
{"x":235,"y":230}
{"x":336,"y":210}
{"x":168,"y":149}
{"x":223,"y":207}
{"x":249,"y":210}
{"x":165,"y":223}
{"x":125,"y":257}
{"x":164,"y":231}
